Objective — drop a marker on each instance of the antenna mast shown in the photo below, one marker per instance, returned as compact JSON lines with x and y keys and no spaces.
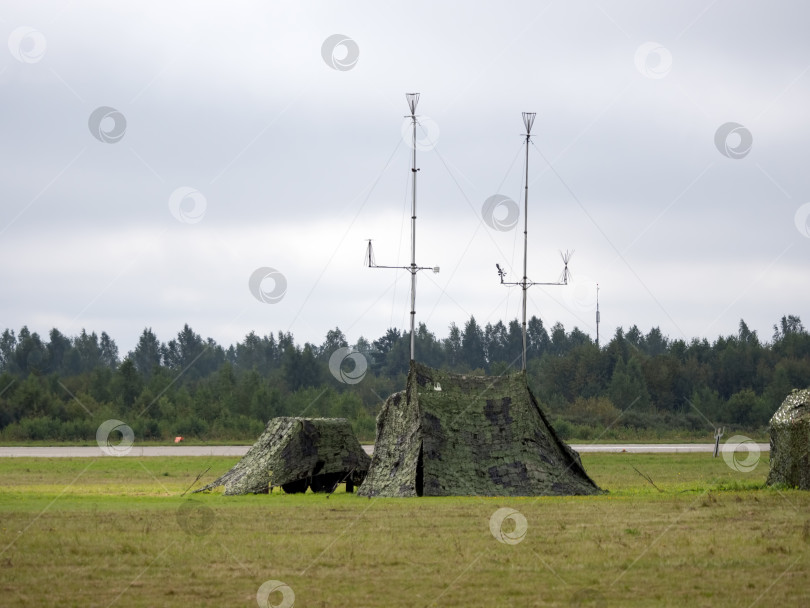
{"x":413,"y":100}
{"x":528,"y":122}
{"x":597,"y":315}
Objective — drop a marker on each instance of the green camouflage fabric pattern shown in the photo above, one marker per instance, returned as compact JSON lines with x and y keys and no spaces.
{"x":474,"y":436}
{"x":790,"y":441}
{"x":296,"y":449}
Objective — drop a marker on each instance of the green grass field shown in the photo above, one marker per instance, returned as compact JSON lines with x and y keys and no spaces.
{"x":119,"y":532}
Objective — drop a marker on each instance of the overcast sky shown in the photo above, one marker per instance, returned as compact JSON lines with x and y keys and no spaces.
{"x":235,"y":138}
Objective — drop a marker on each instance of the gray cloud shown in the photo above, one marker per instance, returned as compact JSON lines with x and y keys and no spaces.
{"x":237,"y":103}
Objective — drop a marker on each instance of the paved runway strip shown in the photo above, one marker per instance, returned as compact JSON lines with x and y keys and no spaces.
{"x":240,"y":450}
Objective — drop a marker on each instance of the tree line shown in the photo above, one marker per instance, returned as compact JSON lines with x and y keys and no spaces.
{"x":62,"y":388}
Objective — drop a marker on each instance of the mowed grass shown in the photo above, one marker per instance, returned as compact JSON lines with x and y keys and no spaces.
{"x":119,"y":532}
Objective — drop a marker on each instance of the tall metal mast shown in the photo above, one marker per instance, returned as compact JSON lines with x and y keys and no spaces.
{"x":528,"y":122}
{"x":413,"y":100}
{"x":597,"y":315}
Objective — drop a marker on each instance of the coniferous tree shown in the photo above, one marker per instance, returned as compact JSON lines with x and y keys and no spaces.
{"x":58,"y":349}
{"x":655,"y":343}
{"x":559,"y":340}
{"x":514,"y":350}
{"x":428,"y":348}
{"x":452,"y":347}
{"x":147,"y":354}
{"x":384,"y":346}
{"x":496,"y":341}
{"x":628,"y":387}
{"x":335,"y":339}
{"x":8,"y":344}
{"x":30,"y":355}
{"x":109,"y":351}
{"x":538,"y":341}
{"x":128,"y":383}
{"x":472,"y":346}
{"x":88,"y":350}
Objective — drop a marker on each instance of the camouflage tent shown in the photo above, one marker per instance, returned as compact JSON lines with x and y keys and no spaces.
{"x":454,"y":435}
{"x":790,"y":441}
{"x":297,"y":453}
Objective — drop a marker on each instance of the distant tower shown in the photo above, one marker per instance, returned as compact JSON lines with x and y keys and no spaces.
{"x":597,"y":315}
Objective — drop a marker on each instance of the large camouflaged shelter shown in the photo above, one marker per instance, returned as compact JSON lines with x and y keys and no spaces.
{"x":790,"y":441}
{"x":457,"y":435}
{"x":296,"y":454}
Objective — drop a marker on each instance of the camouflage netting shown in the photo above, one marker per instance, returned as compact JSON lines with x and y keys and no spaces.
{"x":296,"y":453}
{"x":790,"y":441}
{"x":454,"y":435}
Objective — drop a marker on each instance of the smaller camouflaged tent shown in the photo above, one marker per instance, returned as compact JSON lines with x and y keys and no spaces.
{"x":455,"y":435}
{"x":296,"y":454}
{"x":790,"y":441}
